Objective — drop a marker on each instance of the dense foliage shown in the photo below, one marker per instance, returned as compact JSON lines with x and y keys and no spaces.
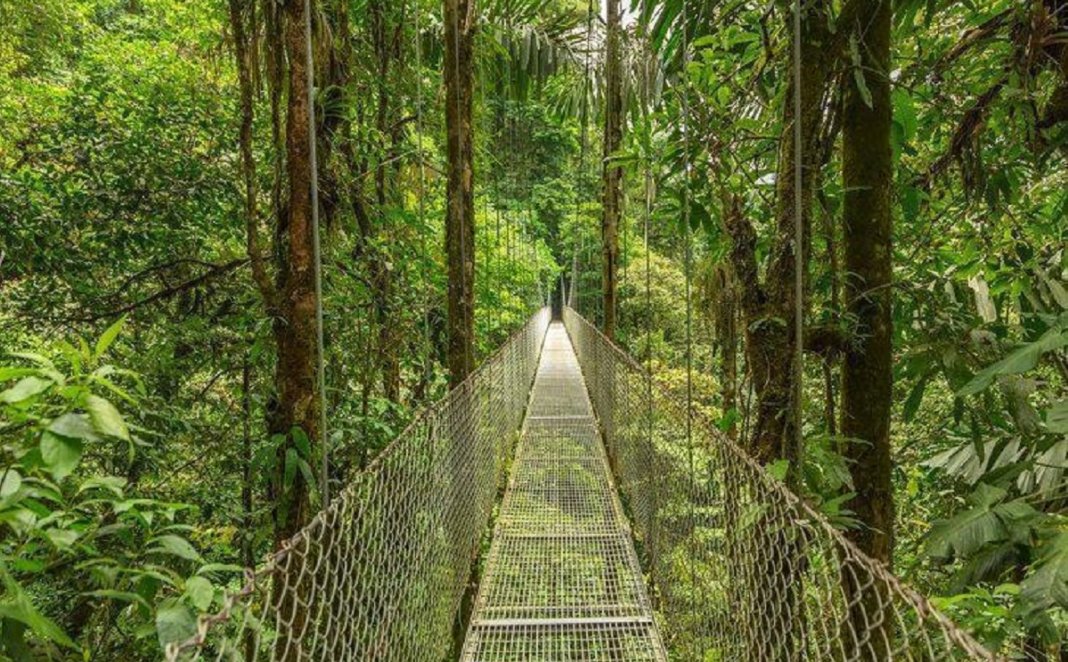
{"x":139,"y":462}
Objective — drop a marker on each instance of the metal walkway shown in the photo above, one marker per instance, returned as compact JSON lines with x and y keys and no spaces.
{"x":562,"y":581}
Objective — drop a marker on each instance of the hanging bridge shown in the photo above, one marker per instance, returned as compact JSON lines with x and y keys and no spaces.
{"x":629,"y":529}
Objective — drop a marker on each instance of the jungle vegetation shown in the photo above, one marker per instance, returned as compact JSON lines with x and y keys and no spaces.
{"x":160,"y":421}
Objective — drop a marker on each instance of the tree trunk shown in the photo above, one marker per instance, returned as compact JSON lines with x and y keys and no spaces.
{"x":460,"y":219}
{"x":768,"y":308}
{"x":294,"y":328}
{"x":612,"y":177}
{"x":726,"y":329}
{"x":866,"y":371}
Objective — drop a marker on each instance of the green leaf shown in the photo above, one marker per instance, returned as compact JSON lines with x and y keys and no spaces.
{"x":176,"y":546}
{"x":1047,"y":586}
{"x":39,"y":359}
{"x":108,"y":337}
{"x":209,"y":568}
{"x":200,"y":592}
{"x":73,"y":426}
{"x":113,"y":484}
{"x":174,"y":624}
{"x":123,"y":596}
{"x":300,"y":440}
{"x":24,"y":389}
{"x":61,"y":454}
{"x":912,"y":402}
{"x":7,"y":373}
{"x":904,"y":112}
{"x":106,"y":419}
{"x":16,"y":604}
{"x":10,"y":482}
{"x":779,"y":468}
{"x":858,"y":73}
{"x":1057,"y":417}
{"x":62,"y":538}
{"x":986,"y":521}
{"x":1020,"y":360}
{"x":292,"y":459}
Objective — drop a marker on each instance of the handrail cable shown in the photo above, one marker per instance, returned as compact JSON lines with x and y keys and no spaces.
{"x":799,"y":250}
{"x":313,"y":158}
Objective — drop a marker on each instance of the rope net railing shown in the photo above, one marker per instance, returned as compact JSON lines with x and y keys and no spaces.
{"x":381,"y":573}
{"x":739,"y":567}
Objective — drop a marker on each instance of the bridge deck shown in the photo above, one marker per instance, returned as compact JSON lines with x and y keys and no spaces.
{"x":562,"y":581}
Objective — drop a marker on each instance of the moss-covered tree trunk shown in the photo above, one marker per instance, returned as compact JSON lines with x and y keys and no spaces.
{"x":768,"y":306}
{"x":866,"y":372}
{"x":460,"y":219}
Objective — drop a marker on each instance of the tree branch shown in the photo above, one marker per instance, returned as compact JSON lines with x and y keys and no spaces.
{"x":826,"y":340}
{"x":743,"y":253}
{"x":211,"y":274}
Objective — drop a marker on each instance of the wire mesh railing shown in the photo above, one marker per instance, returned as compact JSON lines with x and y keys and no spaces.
{"x":381,"y":573}
{"x":739,"y":567}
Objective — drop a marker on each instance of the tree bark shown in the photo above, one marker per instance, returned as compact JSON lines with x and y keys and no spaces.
{"x":294,"y":328}
{"x":612,"y":174}
{"x":866,"y":372}
{"x":725,"y":323}
{"x":768,"y":307}
{"x":460,"y":219}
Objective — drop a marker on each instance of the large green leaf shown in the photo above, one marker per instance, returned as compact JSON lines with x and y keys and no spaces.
{"x":25,"y":389}
{"x":174,"y":623}
{"x":988,"y":519}
{"x":1057,"y":417}
{"x":15,"y":604}
{"x":73,"y":426}
{"x":1047,"y":586}
{"x":1020,"y":360}
{"x":176,"y":546}
{"x":10,"y":482}
{"x":61,"y":454}
{"x":108,"y":337}
{"x":200,"y":592}
{"x":105,"y":418}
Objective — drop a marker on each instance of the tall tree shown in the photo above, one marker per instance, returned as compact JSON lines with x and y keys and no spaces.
{"x":289,"y":298}
{"x":866,"y":373}
{"x":612,"y":173}
{"x":460,"y":218}
{"x":298,"y":401}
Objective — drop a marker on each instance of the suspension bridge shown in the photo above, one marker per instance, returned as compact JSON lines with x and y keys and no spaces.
{"x":624,"y":527}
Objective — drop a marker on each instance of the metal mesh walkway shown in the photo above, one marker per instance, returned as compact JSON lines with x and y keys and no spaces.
{"x":562,"y":580}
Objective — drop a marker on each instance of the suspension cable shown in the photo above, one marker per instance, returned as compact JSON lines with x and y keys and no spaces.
{"x":647,"y":54}
{"x":688,"y":269}
{"x":575,"y":294}
{"x":428,"y":347}
{"x":313,"y":158}
{"x":799,"y":247}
